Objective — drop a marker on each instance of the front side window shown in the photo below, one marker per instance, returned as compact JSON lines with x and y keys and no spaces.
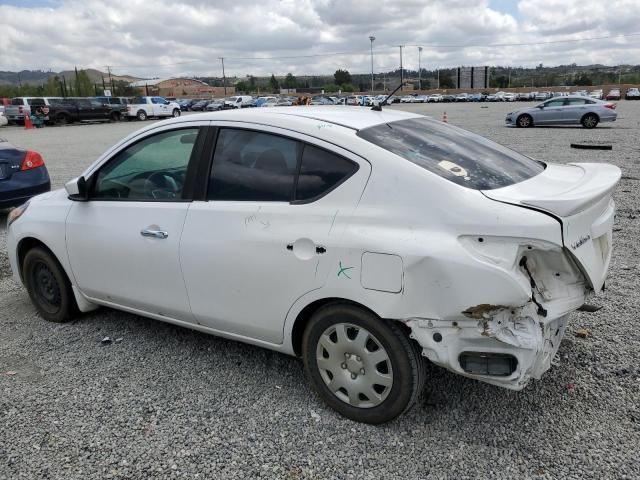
{"x":320,"y":172}
{"x":253,"y":166}
{"x":452,"y":153}
{"x":139,"y":101}
{"x":152,"y":169}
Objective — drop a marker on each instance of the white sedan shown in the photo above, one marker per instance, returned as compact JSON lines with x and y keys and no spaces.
{"x":363,"y":241}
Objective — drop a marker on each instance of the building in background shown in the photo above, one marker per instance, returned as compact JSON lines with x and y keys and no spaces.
{"x":180,"y":88}
{"x":472,"y":77}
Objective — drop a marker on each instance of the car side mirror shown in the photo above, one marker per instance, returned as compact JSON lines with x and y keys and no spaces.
{"x":541,"y":107}
{"x":167,"y":102}
{"x":77,"y":189}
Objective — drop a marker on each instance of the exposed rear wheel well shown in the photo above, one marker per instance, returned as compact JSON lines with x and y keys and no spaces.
{"x":307,"y":312}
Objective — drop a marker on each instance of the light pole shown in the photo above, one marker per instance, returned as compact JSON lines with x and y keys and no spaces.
{"x":372,"y":38}
{"x":419,"y":69}
{"x":224,"y":78}
{"x":401,"y":70}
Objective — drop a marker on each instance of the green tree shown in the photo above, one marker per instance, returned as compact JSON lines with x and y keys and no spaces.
{"x":446,"y":81}
{"x":273,"y":83}
{"x":342,"y":77}
{"x":242,"y":86}
{"x":52,"y":87}
{"x":583,"y":79}
{"x":83,"y":87}
{"x":290,"y":81}
{"x":252,"y":83}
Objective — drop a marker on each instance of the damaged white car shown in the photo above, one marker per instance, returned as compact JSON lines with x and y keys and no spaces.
{"x":363,"y":241}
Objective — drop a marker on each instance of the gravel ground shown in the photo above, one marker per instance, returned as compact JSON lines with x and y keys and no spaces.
{"x":166,"y":402}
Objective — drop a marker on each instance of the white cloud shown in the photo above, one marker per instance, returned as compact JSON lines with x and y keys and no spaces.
{"x":142,"y":37}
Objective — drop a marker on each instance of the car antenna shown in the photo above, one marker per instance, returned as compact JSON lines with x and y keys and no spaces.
{"x":378,"y":108}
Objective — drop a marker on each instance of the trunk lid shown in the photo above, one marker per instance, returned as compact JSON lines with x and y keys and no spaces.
{"x":579,"y":196}
{"x":10,"y":160}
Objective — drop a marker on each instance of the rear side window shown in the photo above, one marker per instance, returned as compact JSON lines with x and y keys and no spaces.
{"x":17,"y":101}
{"x":452,"y":153}
{"x":139,"y":100}
{"x":36,"y":101}
{"x":253,"y":166}
{"x":577,"y":101}
{"x":320,"y":172}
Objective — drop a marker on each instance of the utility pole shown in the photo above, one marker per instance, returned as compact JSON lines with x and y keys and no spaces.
{"x":372,"y":38}
{"x":401,"y":70}
{"x":77,"y":89}
{"x":113,"y":90}
{"x":509,"y":77}
{"x":224,"y":78}
{"x":419,"y":68}
{"x":438,"y":71}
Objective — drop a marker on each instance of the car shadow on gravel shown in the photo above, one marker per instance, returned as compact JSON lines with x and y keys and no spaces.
{"x":269,"y":372}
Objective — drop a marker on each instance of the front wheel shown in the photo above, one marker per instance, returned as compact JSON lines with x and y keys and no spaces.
{"x":524,"y":121}
{"x":364,"y":367}
{"x":176,"y":113}
{"x":48,"y":286}
{"x":590,"y":120}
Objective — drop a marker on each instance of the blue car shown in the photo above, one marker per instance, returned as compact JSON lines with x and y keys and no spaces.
{"x":23,"y":175}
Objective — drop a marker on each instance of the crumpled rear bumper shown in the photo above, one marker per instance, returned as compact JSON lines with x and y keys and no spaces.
{"x":494,"y":331}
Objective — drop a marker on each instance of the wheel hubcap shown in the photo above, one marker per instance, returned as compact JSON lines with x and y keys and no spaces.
{"x":354,"y":365}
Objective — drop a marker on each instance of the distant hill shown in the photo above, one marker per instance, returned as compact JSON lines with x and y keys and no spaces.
{"x":39,"y":77}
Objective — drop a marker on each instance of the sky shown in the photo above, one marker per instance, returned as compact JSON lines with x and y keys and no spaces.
{"x":164,"y":38}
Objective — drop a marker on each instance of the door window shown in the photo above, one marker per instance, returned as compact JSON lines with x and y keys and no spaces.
{"x":320,"y":172}
{"x":154,"y":168}
{"x":555,"y":103}
{"x":576,"y":101}
{"x":253,"y":166}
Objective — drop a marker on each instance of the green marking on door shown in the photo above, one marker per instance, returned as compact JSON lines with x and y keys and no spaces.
{"x":343,"y":270}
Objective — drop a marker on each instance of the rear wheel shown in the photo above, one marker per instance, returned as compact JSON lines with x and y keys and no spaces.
{"x":590,"y":120}
{"x":364,"y":367}
{"x":142,"y":115}
{"x":114,"y":117}
{"x":62,"y":118}
{"x":524,"y":121}
{"x":48,"y":286}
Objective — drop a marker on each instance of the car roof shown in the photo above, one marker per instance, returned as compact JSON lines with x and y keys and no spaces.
{"x":355,"y":118}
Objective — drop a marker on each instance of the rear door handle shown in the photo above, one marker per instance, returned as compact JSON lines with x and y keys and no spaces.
{"x":147,"y":232}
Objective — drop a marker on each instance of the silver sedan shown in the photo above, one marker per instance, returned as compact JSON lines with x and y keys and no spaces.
{"x":571,"y":110}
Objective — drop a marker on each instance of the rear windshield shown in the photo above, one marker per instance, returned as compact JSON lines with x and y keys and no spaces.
{"x":452,"y":153}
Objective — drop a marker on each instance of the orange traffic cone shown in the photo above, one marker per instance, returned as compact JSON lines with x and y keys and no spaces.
{"x":28,"y":124}
{"x":445,"y":119}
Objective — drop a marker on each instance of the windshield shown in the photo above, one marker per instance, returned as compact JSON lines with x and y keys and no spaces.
{"x":452,"y":153}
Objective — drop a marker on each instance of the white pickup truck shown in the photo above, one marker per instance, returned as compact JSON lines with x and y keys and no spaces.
{"x":146,"y":107}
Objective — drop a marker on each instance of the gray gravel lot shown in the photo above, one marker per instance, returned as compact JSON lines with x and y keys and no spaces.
{"x":167,"y":402}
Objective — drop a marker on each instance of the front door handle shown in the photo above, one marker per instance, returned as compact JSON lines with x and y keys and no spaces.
{"x":148,"y":232}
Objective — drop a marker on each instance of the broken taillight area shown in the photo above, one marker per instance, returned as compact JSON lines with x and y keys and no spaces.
{"x":508,"y":343}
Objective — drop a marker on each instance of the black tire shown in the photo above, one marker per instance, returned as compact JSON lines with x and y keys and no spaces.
{"x":407,"y":367}
{"x":63,"y":119}
{"x":590,"y":120}
{"x":141,"y":115}
{"x":114,"y":117}
{"x":524,"y":121}
{"x":175,"y":113}
{"x":48,"y":286}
